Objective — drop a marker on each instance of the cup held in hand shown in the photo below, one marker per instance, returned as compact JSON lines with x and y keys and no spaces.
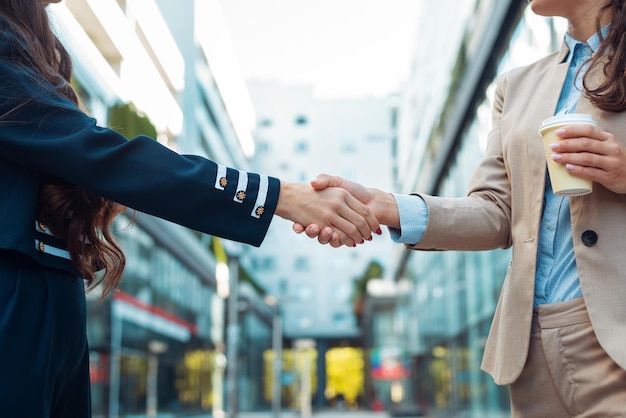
{"x":563,"y":183}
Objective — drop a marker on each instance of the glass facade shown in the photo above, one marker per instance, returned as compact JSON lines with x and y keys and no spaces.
{"x":157,"y":343}
{"x":454,"y":294}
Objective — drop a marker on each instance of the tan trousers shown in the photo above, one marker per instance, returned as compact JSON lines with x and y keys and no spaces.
{"x":567,"y":373}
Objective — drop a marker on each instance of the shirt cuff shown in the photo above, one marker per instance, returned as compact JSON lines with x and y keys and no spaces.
{"x":413,"y":219}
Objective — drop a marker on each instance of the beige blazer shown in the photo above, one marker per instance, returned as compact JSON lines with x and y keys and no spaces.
{"x":504,"y":207}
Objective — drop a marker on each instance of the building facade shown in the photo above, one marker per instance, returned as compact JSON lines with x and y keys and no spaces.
{"x":298,"y":137}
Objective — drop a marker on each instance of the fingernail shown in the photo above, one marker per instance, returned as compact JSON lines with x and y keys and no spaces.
{"x":569,"y":166}
{"x":354,"y":245}
{"x":556,"y":157}
{"x":560,"y":132}
{"x":554,"y":146}
{"x":370,"y":238}
{"x":379,"y":232}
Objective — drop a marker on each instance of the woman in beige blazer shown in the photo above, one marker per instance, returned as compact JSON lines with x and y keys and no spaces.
{"x":557,"y":338}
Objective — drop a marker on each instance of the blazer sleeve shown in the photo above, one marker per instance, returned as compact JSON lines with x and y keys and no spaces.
{"x":43,"y":132}
{"x":482,"y":219}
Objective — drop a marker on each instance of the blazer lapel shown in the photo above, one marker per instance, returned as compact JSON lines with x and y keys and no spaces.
{"x":546,"y":92}
{"x":546,"y":97}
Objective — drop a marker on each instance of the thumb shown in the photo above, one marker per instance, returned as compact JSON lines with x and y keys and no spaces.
{"x":323,"y":181}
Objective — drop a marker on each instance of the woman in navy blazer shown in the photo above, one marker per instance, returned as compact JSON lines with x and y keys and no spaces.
{"x":63,"y":179}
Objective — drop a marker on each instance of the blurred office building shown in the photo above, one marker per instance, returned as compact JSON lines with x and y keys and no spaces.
{"x":299,"y":136}
{"x":164,"y":69}
{"x":436,"y":318}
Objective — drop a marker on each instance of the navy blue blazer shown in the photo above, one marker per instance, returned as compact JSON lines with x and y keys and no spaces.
{"x":43,"y":134}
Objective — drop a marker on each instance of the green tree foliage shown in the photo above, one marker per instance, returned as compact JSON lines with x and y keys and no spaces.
{"x":373,"y":271}
{"x":125,"y":119}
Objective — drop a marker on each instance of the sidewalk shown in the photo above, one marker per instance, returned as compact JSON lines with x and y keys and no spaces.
{"x":326,"y":413}
{"x":336,"y":413}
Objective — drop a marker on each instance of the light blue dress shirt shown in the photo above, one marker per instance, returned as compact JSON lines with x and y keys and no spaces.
{"x":556,"y":276}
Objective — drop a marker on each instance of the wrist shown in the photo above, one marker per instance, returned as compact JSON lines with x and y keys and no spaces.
{"x":284,"y":197}
{"x":387,"y":208}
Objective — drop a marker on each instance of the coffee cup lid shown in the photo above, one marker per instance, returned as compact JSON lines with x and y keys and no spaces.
{"x":567,"y":119}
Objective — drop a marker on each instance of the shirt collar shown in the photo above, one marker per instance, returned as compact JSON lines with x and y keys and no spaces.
{"x":593,"y":42}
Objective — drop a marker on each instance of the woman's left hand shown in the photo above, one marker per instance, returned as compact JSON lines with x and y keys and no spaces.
{"x":592,"y":154}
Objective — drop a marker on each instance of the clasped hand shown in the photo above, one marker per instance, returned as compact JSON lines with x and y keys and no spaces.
{"x":381,"y":205}
{"x":343,"y":219}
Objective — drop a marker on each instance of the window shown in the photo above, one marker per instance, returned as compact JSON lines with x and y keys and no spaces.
{"x":348,"y":148}
{"x":263,"y":146}
{"x":283,"y":287}
{"x":301,"y":147}
{"x":264,"y":263}
{"x":301,"y":263}
{"x":341,"y":318}
{"x":376,"y":138}
{"x":301,"y":120}
{"x":265,"y":122}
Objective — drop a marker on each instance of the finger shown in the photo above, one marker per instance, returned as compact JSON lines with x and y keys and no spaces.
{"x":607,"y":165}
{"x":348,"y":233}
{"x":328,"y":236}
{"x":325,"y":236}
{"x":579,"y":144}
{"x":320,"y":182}
{"x":323,"y":181}
{"x":312,"y":231}
{"x":334,"y":241}
{"x":608,"y":147}
{"x":589,"y":173}
{"x":584,"y":159}
{"x":360,"y":216}
{"x":339,"y":235}
{"x":611,"y":179}
{"x":582,"y":130}
{"x":297,"y":228}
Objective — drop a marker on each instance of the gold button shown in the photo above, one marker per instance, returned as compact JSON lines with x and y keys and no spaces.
{"x":260,"y":210}
{"x":42,"y":247}
{"x":42,"y":227}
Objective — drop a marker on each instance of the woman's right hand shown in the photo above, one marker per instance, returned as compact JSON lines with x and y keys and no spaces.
{"x":332,"y":209}
{"x":382,"y":205}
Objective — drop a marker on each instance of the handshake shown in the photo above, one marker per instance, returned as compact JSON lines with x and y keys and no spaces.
{"x":337,"y":211}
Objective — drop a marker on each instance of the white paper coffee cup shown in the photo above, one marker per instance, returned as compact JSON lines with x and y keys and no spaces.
{"x":563,"y":183}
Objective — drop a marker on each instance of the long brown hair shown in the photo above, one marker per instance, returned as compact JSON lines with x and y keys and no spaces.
{"x":71,"y":213}
{"x":610,"y":95}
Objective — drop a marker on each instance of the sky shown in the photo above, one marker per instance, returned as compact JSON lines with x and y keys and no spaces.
{"x":342,"y":48}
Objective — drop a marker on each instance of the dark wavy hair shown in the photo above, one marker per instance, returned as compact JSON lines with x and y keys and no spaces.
{"x":610,"y":95}
{"x":71,"y":213}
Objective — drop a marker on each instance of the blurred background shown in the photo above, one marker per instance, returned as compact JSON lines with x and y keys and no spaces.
{"x":394,"y":94}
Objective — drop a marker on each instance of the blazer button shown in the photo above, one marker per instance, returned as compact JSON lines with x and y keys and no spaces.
{"x":590,"y":238}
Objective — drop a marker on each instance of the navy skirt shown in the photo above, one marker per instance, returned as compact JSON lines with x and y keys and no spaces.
{"x":44,"y":358}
